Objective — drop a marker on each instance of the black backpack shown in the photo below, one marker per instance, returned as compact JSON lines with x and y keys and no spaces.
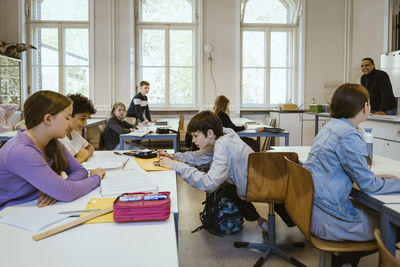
{"x":220,"y":215}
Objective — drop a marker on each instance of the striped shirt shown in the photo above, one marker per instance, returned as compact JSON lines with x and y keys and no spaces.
{"x":24,"y":174}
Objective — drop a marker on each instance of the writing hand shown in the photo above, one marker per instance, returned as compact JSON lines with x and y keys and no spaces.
{"x":165,"y":162}
{"x":98,"y":171}
{"x":379,"y":113}
{"x":162,"y":153}
{"x":45,"y":200}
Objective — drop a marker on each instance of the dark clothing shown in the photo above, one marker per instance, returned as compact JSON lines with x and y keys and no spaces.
{"x":248,"y":210}
{"x":380,"y":90}
{"x":112,"y":131}
{"x":139,"y":106}
{"x":227,"y":123}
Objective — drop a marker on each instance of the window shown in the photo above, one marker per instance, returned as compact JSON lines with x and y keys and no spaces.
{"x":166,"y":51}
{"x":60,"y":32}
{"x":267,"y":61}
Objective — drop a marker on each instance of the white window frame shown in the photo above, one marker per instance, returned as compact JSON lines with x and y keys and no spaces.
{"x":167,"y":27}
{"x":267,"y":29}
{"x":61,"y":26}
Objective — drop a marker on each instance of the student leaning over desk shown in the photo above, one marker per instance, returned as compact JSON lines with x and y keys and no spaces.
{"x":338,"y":157}
{"x":75,"y":144}
{"x":31,"y":162}
{"x":228,"y":155}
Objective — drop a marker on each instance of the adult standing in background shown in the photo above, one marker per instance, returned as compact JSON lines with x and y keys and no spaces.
{"x":139,"y":107}
{"x":379,"y":87}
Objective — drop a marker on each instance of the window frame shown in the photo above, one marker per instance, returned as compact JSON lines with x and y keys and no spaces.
{"x":267,"y":29}
{"x":167,"y":27}
{"x":61,"y":26}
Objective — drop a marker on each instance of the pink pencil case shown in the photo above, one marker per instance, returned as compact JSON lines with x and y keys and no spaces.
{"x":142,"y":206}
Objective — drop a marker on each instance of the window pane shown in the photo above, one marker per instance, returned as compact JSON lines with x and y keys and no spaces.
{"x":253,"y":86}
{"x":45,"y":78}
{"x":181,"y":89}
{"x":253,"y":49}
{"x":77,"y":47}
{"x":280,"y":49}
{"x":156,"y":78}
{"x":77,"y":80}
{"x":181,"y":48}
{"x":166,"y":11}
{"x":10,"y":82}
{"x":279,"y":84}
{"x":70,"y":10}
{"x":46,"y":42}
{"x":153,"y":48}
{"x":266,"y":11}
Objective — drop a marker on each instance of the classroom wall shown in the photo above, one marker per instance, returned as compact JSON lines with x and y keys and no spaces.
{"x":324,"y":59}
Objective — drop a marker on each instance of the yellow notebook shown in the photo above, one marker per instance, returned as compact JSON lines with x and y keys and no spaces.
{"x":100,"y":203}
{"x":148,"y":165}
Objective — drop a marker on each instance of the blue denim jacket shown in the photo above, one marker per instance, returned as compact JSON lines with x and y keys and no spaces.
{"x":336,"y":160}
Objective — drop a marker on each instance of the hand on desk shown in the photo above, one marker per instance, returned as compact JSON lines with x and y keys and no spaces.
{"x":45,"y":200}
{"x":98,"y":171}
{"x":379,"y":113}
{"x":165,"y":162}
{"x":162,"y":153}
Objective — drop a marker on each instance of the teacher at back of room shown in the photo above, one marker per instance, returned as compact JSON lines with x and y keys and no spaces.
{"x":379,"y":87}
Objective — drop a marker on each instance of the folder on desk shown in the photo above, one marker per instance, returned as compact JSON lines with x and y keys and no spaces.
{"x":148,"y":165}
{"x":100,"y":203}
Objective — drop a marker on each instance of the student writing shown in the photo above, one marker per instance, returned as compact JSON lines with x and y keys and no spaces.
{"x":336,"y":160}
{"x":31,"y":162}
{"x":228,"y":155}
{"x":82,"y":108}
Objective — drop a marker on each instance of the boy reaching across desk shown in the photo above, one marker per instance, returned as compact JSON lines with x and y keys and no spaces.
{"x":31,"y":163}
{"x":82,"y":108}
{"x":228,"y":155}
{"x":139,"y":107}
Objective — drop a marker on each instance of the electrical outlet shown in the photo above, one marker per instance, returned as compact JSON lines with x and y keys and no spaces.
{"x":105,"y":108}
{"x":206,"y":107}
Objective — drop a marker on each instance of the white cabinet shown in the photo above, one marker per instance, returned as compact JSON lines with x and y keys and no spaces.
{"x":308,"y":131}
{"x":291,"y":122}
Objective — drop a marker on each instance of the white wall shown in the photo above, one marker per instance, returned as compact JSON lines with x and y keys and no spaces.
{"x":324,"y":45}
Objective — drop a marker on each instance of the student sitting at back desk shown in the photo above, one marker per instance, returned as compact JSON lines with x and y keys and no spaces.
{"x":31,"y":162}
{"x":82,"y":108}
{"x":338,"y":157}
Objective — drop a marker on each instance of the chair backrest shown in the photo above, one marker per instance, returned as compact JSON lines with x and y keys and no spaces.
{"x":386,"y":257}
{"x":181,"y":122}
{"x":300,"y":196}
{"x":268,"y":140}
{"x":267,"y":176}
{"x":101,"y":137}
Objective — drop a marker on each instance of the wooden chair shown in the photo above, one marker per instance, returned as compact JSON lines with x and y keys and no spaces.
{"x":385,"y":257}
{"x":299,"y":204}
{"x":268,"y":140}
{"x":266,"y":183}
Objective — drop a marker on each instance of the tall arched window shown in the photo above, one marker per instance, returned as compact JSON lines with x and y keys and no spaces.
{"x":166,"y":42}
{"x":268,"y":35}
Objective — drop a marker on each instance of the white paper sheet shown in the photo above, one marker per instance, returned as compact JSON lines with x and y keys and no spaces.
{"x":112,"y":163}
{"x":29,"y":217}
{"x":127,"y":181}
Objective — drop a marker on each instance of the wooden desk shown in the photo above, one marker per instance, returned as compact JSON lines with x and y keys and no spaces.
{"x":100,"y":245}
{"x":174,"y":123}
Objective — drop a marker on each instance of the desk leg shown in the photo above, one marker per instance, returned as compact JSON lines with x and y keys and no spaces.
{"x":175,"y":144}
{"x":388,"y":231}
{"x":316,"y":124}
{"x":176,"y":218}
{"x":121,"y":143}
{"x":287,"y":140}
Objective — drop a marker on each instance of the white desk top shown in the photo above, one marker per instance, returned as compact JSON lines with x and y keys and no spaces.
{"x":94,"y":122}
{"x":100,"y":245}
{"x":173,"y":124}
{"x":8,"y":134}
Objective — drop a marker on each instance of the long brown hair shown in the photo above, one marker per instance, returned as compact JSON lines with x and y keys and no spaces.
{"x":221,"y":104}
{"x":115,"y":106}
{"x":35,"y":108}
{"x":348,"y":100}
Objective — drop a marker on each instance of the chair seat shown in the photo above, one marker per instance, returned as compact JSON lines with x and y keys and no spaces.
{"x":342,"y":246}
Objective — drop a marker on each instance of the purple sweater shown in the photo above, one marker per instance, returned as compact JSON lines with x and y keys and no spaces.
{"x":24,"y":174}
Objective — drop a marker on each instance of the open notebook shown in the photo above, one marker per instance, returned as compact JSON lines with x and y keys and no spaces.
{"x":109,"y":163}
{"x":127,"y":181}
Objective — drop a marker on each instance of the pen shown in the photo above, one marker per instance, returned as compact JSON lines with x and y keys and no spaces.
{"x":75,"y":211}
{"x":117,"y":153}
{"x":139,"y":198}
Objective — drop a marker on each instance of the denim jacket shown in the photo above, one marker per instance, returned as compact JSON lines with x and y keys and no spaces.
{"x":336,"y":160}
